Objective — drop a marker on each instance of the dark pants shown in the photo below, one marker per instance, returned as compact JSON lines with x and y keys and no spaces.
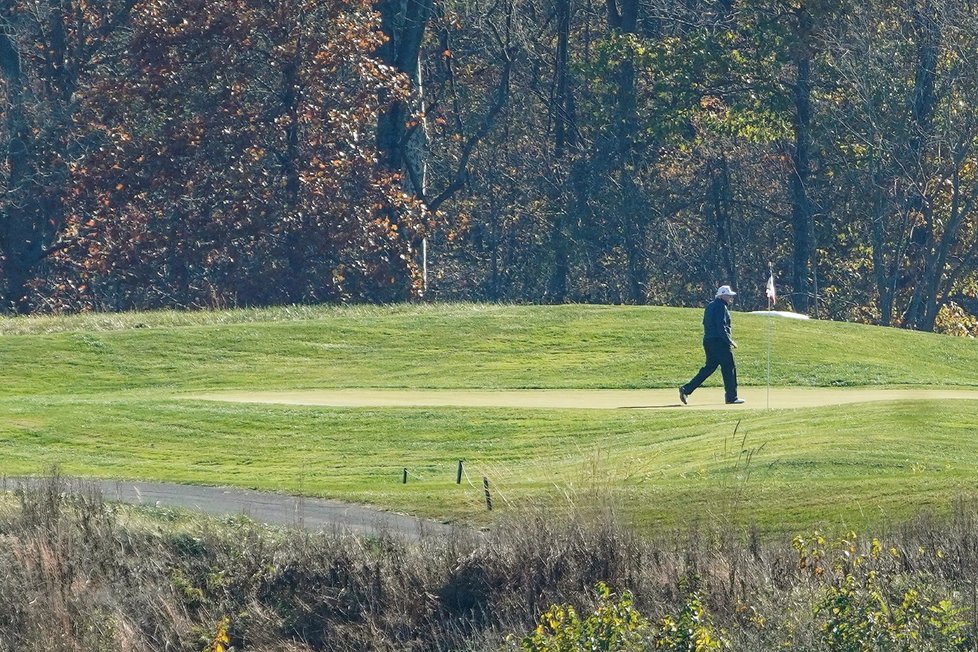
{"x":718,"y":354}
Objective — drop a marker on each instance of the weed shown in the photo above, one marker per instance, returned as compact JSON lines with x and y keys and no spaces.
{"x":614,"y":624}
{"x":83,"y":574}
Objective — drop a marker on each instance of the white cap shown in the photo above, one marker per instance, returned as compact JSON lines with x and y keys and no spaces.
{"x":725,"y":291}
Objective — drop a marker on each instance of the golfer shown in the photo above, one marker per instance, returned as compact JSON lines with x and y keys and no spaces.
{"x":718,"y":346}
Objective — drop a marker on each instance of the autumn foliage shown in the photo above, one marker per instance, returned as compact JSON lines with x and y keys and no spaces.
{"x":227,"y":157}
{"x":248,"y":152}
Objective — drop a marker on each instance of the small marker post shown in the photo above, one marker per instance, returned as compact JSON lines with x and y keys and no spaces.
{"x":458,"y":476}
{"x":405,"y":475}
{"x":485,"y":487}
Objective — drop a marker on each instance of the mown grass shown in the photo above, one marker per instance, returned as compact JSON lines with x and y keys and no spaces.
{"x":455,"y":346}
{"x":98,"y":396}
{"x":662,"y":471}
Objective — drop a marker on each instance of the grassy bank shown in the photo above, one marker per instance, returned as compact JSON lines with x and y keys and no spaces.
{"x":456,"y":346}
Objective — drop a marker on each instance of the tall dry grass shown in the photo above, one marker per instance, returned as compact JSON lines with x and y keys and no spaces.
{"x":80,"y":573}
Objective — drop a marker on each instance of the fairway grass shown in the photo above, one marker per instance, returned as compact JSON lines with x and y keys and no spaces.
{"x":97,"y":396}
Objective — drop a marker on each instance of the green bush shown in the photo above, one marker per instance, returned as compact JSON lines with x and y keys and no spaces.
{"x":617,"y":626}
{"x":691,"y":631}
{"x":870,"y":605}
{"x":865,"y":613}
{"x":614,"y":625}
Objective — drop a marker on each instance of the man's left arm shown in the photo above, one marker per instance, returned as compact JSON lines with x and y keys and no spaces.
{"x":728,"y":328}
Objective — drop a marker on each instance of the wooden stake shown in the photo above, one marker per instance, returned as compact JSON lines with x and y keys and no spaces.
{"x":485,"y":486}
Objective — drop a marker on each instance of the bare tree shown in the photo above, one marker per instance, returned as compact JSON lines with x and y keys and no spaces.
{"x":912,"y":150}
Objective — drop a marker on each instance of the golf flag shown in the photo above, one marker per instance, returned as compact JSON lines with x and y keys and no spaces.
{"x":772,"y":295}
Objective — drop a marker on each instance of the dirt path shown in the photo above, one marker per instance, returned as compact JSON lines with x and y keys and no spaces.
{"x":705,"y":398}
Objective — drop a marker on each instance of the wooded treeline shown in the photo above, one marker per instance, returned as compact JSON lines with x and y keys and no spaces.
{"x":246,"y":152}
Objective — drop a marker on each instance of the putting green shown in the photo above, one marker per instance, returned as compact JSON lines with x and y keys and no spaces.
{"x":704,"y":398}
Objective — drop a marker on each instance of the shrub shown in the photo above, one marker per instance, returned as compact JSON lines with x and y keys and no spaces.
{"x":871,"y":605}
{"x":864,"y":614}
{"x":690,"y":631}
{"x":613,"y":625}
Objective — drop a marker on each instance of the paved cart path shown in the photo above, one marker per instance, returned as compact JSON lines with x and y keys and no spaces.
{"x":705,"y":398}
{"x":315,"y":514}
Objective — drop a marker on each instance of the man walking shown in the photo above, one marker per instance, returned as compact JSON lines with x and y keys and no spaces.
{"x":718,"y":346}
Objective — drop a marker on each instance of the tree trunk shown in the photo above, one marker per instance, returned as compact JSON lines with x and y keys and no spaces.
{"x":295,"y":236}
{"x":938,"y":280}
{"x":884,"y":274}
{"x":560,"y":245}
{"x":801,"y":212}
{"x":20,"y":239}
{"x":38,"y":124}
{"x":404,"y":23}
{"x":720,"y":201}
{"x":564,"y":139}
{"x":921,"y":247}
{"x":624,"y":18}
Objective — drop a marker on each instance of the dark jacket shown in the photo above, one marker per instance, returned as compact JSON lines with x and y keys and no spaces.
{"x":716,"y":321}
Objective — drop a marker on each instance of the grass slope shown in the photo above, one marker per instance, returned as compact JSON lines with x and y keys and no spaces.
{"x":93,"y":394}
{"x":464,"y":346}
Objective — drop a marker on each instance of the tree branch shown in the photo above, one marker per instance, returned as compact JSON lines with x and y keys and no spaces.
{"x":499,"y":101}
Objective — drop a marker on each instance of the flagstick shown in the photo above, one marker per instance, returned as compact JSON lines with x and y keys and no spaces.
{"x":770,"y":325}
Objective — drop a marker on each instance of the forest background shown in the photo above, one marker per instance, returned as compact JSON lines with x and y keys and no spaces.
{"x":216,"y":153}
